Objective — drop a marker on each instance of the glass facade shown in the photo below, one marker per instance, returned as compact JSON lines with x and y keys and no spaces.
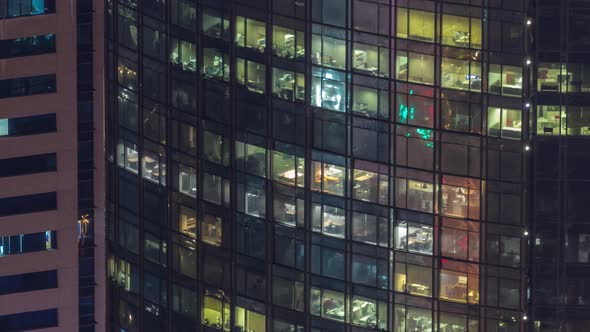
{"x":560,"y":100}
{"x":325,"y":165}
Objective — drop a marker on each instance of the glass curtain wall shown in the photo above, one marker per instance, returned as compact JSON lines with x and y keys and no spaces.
{"x":325,"y":165}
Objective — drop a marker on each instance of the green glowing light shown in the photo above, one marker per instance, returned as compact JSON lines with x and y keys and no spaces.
{"x":424,"y":133}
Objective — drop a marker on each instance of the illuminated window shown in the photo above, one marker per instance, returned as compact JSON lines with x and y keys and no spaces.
{"x":327,"y":304}
{"x":251,"y":74}
{"x":250,"y":33}
{"x":216,"y":310}
{"x":247,"y":320}
{"x":288,"y":43}
{"x":505,"y":123}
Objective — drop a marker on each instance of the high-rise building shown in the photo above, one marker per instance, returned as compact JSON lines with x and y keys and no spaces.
{"x":318,"y":165}
{"x":52,"y":192}
{"x":559,"y":211}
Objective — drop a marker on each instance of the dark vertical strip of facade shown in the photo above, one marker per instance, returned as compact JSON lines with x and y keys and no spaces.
{"x":85,"y":116}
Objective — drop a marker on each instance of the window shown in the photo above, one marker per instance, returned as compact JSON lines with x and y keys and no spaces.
{"x":328,"y":89}
{"x":412,"y":319}
{"x":30,"y":125}
{"x":328,"y":262}
{"x":187,"y":180}
{"x":154,"y":125}
{"x":127,"y":156}
{"x":23,"y":243}
{"x":27,"y":46}
{"x":368,"y":313}
{"x":369,"y":271}
{"x":288,"y":169}
{"x":155,"y":248}
{"x":503,"y":250}
{"x":369,"y":228}
{"x":28,"y":282}
{"x":461,"y":73}
{"x":551,"y":120}
{"x":329,"y":220}
{"x":371,"y":60}
{"x":288,"y":85}
{"x":505,"y":80}
{"x":27,"y":86}
{"x":31,"y":320}
{"x":154,"y":293}
{"x":184,"y":55}
{"x":216,"y":189}
{"x":251,"y":74}
{"x":552,"y":77}
{"x":184,"y":255}
{"x":371,"y":17}
{"x":288,"y":206}
{"x":413,"y":279}
{"x":215,"y":24}
{"x":461,"y":31}
{"x":215,"y":64}
{"x":211,"y":230}
{"x":461,"y":116}
{"x":372,"y":103}
{"x":251,"y":158}
{"x":184,"y":301}
{"x":288,"y":249}
{"x":184,"y":137}
{"x":288,"y":43}
{"x":459,"y":286}
{"x":370,"y":186}
{"x":127,"y":27}
{"x":16,"y":8}
{"x":216,"y":311}
{"x":414,"y":67}
{"x":505,"y":123}
{"x":414,"y":195}
{"x":187,"y":221}
{"x":328,"y":178}
{"x":252,"y":197}
{"x":460,"y":197}
{"x":154,"y":167}
{"x":184,"y":14}
{"x":251,"y":237}
{"x":413,"y":237}
{"x":416,"y":110}
{"x":28,"y":165}
{"x":127,"y":276}
{"x":328,"y":304}
{"x":415,"y":24}
{"x":247,"y":320}
{"x":328,"y":51}
{"x":28,"y":203}
{"x":215,"y":148}
{"x":288,"y":293}
{"x":250,"y":33}
{"x":460,"y":239}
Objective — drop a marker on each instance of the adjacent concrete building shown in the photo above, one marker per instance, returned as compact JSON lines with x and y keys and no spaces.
{"x":51,"y":147}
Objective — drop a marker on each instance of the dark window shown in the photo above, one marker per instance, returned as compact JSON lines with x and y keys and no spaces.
{"x":16,"y":8}
{"x":21,"y":243}
{"x":28,"y":165}
{"x":28,"y":204}
{"x":27,"y":86}
{"x":28,"y":125}
{"x":29,"y":320}
{"x":28,"y":282}
{"x":27,"y":46}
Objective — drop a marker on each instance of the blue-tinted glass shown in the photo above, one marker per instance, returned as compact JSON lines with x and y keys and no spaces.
{"x":29,"y":320}
{"x":3,"y":127}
